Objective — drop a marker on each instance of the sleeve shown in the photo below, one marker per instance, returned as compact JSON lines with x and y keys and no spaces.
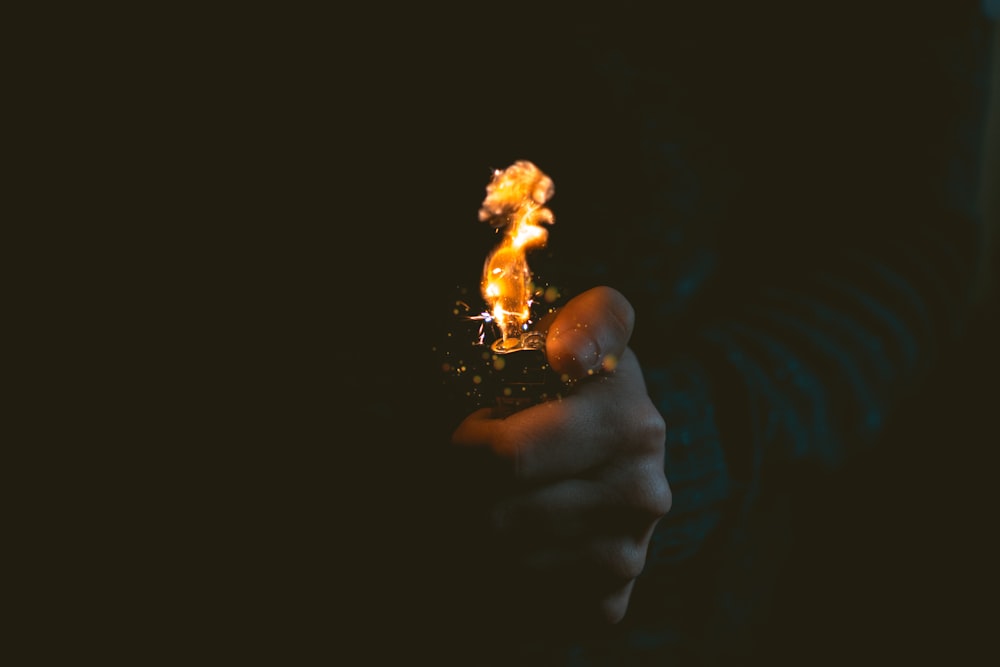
{"x":797,"y":354}
{"x":991,"y":8}
{"x":785,"y":328}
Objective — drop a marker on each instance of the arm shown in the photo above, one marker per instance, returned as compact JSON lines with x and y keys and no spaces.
{"x":784,"y":364}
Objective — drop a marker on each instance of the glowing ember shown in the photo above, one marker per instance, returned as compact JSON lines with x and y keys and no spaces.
{"x":515,"y":199}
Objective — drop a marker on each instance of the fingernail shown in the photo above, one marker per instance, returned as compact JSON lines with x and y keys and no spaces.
{"x":581,"y":346}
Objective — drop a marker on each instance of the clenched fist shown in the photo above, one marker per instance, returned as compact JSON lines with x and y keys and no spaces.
{"x":585,"y":474}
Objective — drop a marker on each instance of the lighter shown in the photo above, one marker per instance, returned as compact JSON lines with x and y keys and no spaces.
{"x":522,"y":373}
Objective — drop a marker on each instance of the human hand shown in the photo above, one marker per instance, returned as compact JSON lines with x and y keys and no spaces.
{"x":586,"y":472}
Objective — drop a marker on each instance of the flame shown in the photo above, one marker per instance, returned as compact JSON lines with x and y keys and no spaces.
{"x":515,"y":199}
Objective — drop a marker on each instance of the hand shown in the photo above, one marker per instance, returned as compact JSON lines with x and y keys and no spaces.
{"x":586,"y":472}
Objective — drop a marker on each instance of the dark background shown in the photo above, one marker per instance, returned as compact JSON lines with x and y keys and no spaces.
{"x":318,"y":178}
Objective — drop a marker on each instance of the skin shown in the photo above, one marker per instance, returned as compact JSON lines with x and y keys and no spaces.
{"x":586,"y":483}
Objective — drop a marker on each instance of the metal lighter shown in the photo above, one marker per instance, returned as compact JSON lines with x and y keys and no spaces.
{"x":522,"y":373}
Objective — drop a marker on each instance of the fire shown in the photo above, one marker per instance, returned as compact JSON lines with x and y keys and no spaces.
{"x":515,"y":199}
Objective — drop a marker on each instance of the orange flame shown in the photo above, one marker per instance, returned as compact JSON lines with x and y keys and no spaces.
{"x":515,"y":198}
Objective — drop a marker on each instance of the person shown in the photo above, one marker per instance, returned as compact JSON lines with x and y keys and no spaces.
{"x":765,"y":242}
{"x":768,"y":241}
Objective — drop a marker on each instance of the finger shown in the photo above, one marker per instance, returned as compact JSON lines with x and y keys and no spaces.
{"x":561,"y":513}
{"x":538,"y":443}
{"x":482,"y":430}
{"x":606,"y":416}
{"x":582,"y":586}
{"x":590,"y":332}
{"x":597,"y":571}
{"x":573,"y":435}
{"x":554,"y":602}
{"x":614,"y":605}
{"x":579,"y":509}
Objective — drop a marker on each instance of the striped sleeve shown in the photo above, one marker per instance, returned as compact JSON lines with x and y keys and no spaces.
{"x":807,"y":369}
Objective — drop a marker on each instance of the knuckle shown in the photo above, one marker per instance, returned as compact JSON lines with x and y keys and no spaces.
{"x":623,"y":560}
{"x":660,"y":496}
{"x":655,"y":429}
{"x":614,"y":607}
{"x":647,"y":492}
{"x":649,"y":431}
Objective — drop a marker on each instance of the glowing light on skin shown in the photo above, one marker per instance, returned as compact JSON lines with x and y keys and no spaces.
{"x":515,"y":199}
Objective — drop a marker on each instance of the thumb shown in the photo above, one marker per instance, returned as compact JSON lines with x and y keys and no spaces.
{"x":590,"y":332}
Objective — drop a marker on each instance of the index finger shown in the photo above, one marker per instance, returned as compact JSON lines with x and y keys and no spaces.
{"x":562,"y":437}
{"x":551,"y":439}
